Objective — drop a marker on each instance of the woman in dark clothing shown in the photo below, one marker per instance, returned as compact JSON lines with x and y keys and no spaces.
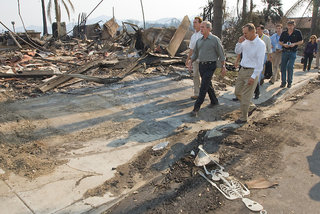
{"x":309,"y":51}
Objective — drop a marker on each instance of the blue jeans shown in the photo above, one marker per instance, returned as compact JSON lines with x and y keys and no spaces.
{"x":287,"y":62}
{"x":206,"y":73}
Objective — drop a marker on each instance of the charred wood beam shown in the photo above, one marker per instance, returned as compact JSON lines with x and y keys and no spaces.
{"x":57,"y":61}
{"x":31,"y":74}
{"x":94,"y":79}
{"x":14,"y":39}
{"x":53,"y":83}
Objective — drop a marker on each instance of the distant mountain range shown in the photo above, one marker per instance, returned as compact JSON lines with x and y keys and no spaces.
{"x":164,"y":22}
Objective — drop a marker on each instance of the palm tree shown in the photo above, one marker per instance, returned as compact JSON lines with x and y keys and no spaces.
{"x":57,"y":9}
{"x":244,"y":9}
{"x":245,"y":16}
{"x":309,"y":5}
{"x":315,"y":17}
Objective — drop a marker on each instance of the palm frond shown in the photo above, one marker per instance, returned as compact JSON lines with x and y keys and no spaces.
{"x":72,"y":7}
{"x":66,"y":8}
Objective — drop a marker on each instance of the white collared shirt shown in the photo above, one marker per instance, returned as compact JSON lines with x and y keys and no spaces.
{"x":253,"y":54}
{"x":195,"y":36}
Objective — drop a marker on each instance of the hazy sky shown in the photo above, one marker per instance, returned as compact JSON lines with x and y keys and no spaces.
{"x":124,"y":9}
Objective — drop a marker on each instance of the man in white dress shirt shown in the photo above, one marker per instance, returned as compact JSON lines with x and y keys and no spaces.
{"x":253,"y":51}
{"x":195,"y":65}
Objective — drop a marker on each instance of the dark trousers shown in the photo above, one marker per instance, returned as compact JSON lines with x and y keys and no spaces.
{"x":206,"y":73}
{"x":307,"y":59}
{"x":257,"y":90}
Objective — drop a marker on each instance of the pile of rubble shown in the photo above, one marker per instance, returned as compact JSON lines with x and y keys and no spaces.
{"x":109,"y":56}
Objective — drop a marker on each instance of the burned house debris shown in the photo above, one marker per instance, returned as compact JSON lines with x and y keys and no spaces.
{"x":94,"y":55}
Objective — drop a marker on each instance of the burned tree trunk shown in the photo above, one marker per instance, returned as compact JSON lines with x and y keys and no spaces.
{"x":315,"y":18}
{"x":218,"y":17}
{"x":213,"y":12}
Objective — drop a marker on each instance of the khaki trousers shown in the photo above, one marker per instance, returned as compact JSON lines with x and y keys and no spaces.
{"x":196,"y":78}
{"x":276,"y":60}
{"x":244,"y":92}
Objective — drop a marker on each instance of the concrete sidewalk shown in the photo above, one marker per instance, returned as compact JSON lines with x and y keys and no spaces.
{"x":156,"y":102}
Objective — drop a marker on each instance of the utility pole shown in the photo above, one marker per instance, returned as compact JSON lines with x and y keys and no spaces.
{"x":144,"y":22}
{"x":13,"y":23}
{"x":45,"y":28}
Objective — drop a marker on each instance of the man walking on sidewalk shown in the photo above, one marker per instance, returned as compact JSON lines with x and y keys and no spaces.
{"x":289,"y":39}
{"x":267,"y":42}
{"x":276,"y":53}
{"x":253,"y":51}
{"x":208,"y":50}
{"x":195,"y":65}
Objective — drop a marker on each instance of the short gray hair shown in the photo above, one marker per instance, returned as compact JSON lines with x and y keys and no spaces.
{"x":208,"y":24}
{"x":250,"y":27}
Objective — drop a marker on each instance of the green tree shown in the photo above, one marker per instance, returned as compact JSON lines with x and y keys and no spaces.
{"x":245,"y":15}
{"x":244,"y":9}
{"x":273,"y":12}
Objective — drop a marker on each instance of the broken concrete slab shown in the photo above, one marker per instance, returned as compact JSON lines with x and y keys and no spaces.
{"x":10,"y":202}
{"x":178,"y":36}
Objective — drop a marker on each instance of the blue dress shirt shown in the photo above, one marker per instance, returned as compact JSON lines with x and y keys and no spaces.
{"x":275,"y":42}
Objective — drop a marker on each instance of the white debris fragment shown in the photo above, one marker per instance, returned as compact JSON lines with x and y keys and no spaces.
{"x":160,"y":146}
{"x":2,"y":172}
{"x":213,"y":133}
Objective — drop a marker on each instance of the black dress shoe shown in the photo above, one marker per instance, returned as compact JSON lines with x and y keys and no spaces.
{"x":240,"y":121}
{"x":211,"y":105}
{"x":289,"y":85}
{"x":194,"y":114}
{"x":282,"y":85}
{"x":235,"y":99}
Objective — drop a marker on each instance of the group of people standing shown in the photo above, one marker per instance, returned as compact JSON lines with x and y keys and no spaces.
{"x":254,"y":48}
